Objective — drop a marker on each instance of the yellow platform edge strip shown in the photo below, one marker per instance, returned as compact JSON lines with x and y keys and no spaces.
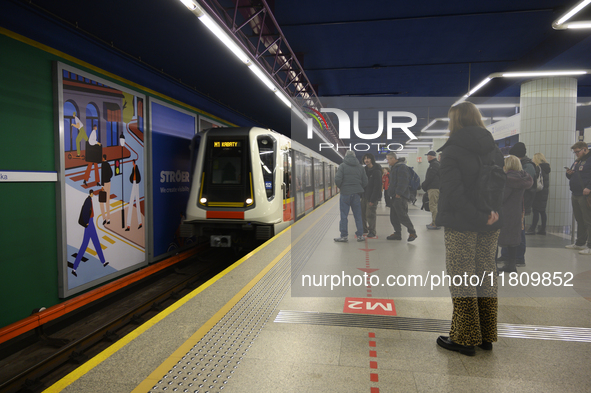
{"x":173,"y":359}
{"x":149,"y":381}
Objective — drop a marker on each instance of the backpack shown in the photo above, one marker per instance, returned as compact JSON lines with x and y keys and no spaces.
{"x":539,"y":180}
{"x":425,"y":205}
{"x":414,"y":181}
{"x":490,"y":186}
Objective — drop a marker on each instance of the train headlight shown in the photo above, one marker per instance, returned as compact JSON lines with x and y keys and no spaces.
{"x":249,"y":201}
{"x":203,"y":200}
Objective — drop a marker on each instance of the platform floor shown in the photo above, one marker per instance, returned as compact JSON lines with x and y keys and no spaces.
{"x":261,"y":327}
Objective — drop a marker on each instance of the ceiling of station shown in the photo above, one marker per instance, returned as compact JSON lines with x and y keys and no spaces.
{"x":426,"y":54}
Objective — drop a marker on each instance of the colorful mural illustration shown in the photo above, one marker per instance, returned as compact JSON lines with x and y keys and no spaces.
{"x":103,"y":196}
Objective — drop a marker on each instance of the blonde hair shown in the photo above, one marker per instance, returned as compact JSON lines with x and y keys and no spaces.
{"x":539,"y":158}
{"x":464,"y":114}
{"x":512,"y":163}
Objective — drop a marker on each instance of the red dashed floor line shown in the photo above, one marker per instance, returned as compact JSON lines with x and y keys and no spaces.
{"x":373,"y":354}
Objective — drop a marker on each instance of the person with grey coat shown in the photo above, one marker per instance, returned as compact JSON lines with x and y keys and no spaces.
{"x":517,"y":182}
{"x":351,"y":180}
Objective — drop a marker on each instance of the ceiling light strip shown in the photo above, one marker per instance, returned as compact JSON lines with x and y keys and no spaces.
{"x":560,"y":24}
{"x":522,"y":74}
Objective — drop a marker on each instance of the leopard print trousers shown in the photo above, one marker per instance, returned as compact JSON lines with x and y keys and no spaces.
{"x":474,"y":307}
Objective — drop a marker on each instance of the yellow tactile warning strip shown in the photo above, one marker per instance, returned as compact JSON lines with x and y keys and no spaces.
{"x":86,"y":367}
{"x":208,"y":359}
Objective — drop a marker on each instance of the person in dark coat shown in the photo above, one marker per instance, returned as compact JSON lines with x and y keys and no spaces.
{"x":431,"y":186}
{"x":541,"y":198}
{"x":400,"y":194}
{"x":579,"y":180}
{"x":518,"y":181}
{"x":371,"y":195}
{"x":470,"y":234}
{"x":519,"y":151}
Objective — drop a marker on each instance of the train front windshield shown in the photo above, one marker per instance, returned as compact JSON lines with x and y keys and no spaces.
{"x":226,"y":161}
{"x":226,"y":180}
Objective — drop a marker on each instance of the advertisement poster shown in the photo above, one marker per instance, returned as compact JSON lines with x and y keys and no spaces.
{"x":101,"y":160}
{"x":172,"y":131}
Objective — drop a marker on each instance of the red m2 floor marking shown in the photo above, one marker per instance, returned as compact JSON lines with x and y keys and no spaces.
{"x":363,"y":305}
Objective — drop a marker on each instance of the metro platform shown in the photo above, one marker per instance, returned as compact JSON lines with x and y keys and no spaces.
{"x":256,"y":328}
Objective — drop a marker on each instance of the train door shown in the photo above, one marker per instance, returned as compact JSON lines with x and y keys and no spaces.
{"x":308,"y":185}
{"x":327,"y":182}
{"x":318,"y":182}
{"x":288,"y":205}
{"x":299,"y":185}
{"x":333,"y":175}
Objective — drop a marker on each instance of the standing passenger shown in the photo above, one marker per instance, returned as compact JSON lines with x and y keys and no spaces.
{"x":541,"y":198}
{"x":580,"y":185}
{"x":518,"y":181}
{"x":371,"y":195}
{"x":399,"y":192}
{"x":431,"y":186}
{"x":350,"y":179}
{"x":528,"y":165}
{"x":470,"y":234}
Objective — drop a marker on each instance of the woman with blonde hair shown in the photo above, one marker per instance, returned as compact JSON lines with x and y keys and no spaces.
{"x":517,"y":182}
{"x":470,"y":233}
{"x":541,"y":198}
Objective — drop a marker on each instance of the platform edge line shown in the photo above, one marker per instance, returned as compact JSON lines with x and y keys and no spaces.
{"x":96,"y":360}
{"x":161,"y":370}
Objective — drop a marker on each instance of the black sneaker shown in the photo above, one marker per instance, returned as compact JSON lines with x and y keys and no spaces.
{"x":372,"y":235}
{"x":395,"y":236}
{"x":412,"y":237}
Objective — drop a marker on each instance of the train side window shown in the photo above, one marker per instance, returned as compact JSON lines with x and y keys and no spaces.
{"x":267,"y":156}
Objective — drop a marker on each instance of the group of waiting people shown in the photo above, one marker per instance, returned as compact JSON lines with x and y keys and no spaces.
{"x":361,"y":190}
{"x":471,"y":236}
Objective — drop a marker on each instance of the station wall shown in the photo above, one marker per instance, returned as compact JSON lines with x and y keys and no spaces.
{"x":29,"y":247}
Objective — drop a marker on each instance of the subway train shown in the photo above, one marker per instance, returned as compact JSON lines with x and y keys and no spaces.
{"x":249,"y":184}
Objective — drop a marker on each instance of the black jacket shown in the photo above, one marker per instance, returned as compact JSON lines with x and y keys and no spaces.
{"x":399,"y":180}
{"x":106,"y":172}
{"x":373,"y":189}
{"x":86,"y":212}
{"x":581,"y":179}
{"x":541,"y":198}
{"x":432,"y":176}
{"x":528,"y":197}
{"x":458,"y":173}
{"x":138,"y":177}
